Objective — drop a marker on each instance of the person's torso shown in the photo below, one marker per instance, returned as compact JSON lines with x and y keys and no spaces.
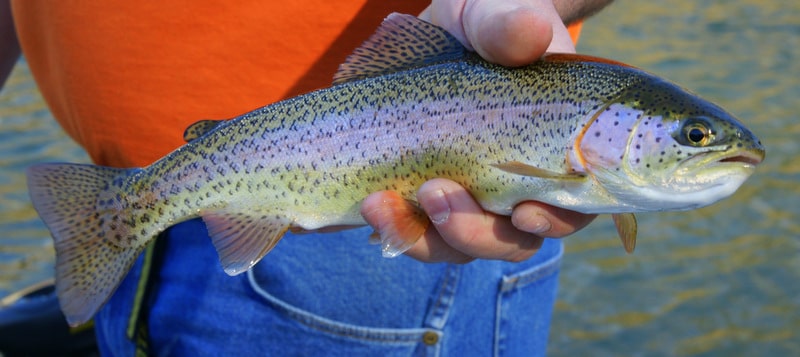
{"x":125,"y":78}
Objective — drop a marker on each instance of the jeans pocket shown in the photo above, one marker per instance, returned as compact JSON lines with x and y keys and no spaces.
{"x":312,"y":334}
{"x":525,"y":306}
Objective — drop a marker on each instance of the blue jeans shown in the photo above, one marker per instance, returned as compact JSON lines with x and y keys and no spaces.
{"x":333,"y":294}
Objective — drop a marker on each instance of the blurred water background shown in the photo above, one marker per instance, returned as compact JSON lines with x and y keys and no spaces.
{"x":719,"y":281}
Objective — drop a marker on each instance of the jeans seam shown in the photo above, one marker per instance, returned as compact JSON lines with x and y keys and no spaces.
{"x":536,"y":273}
{"x":519,"y":280}
{"x":437,"y":317}
{"x":322,"y":324}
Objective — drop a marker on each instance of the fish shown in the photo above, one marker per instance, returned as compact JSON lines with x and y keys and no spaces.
{"x":411,"y":104}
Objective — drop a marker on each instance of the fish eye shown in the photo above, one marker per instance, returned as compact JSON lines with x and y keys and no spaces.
{"x":696,"y":132}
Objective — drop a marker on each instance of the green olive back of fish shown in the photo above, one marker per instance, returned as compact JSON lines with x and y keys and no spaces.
{"x":576,"y":132}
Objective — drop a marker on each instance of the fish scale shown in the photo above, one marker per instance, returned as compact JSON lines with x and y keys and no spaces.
{"x":410,"y":105}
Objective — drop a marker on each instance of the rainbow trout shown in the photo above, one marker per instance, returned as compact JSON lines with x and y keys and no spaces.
{"x":411,"y":104}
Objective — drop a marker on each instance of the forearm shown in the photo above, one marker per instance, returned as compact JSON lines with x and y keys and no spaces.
{"x":9,"y":46}
{"x":574,"y":10}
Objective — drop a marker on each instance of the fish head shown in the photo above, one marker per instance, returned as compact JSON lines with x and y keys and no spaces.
{"x":658,"y":147}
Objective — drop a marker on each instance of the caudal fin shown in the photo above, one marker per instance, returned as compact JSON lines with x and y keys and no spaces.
{"x":89,"y":266}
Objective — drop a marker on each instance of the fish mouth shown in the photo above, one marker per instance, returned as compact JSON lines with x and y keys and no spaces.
{"x":748,"y":157}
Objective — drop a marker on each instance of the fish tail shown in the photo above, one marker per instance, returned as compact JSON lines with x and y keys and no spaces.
{"x":90,"y":264}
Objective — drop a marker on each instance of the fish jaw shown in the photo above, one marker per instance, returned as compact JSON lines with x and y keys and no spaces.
{"x":715,"y":175}
{"x":680,"y":194}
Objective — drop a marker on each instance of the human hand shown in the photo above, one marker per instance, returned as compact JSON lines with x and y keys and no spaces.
{"x":458,"y":230}
{"x":510,"y":33}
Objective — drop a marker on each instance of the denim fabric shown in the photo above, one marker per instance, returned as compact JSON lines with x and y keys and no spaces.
{"x":334,"y":295}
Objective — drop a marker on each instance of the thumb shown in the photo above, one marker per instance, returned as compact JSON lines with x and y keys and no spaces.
{"x":507,"y":32}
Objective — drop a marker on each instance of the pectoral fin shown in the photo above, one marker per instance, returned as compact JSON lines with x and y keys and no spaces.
{"x":627,"y":228}
{"x":519,"y":168}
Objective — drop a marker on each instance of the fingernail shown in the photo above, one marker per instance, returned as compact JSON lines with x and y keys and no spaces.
{"x":538,"y":224}
{"x":437,"y":207}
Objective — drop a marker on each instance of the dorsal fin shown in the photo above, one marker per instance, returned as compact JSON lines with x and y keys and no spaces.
{"x":574,"y":57}
{"x":401,"y":42}
{"x":200,"y":128}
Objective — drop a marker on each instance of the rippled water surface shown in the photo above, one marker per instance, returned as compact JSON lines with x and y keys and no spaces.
{"x":719,"y":281}
{"x":722,"y":280}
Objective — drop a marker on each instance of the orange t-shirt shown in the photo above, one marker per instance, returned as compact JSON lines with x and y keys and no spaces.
{"x":125,"y":78}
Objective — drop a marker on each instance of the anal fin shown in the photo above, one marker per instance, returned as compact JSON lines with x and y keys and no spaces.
{"x":243,"y":237}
